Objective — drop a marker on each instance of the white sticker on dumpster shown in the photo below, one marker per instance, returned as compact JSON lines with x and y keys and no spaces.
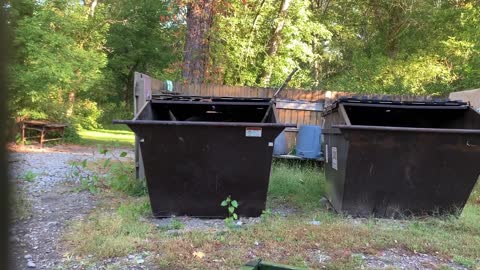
{"x":253,"y":132}
{"x":334,"y":158}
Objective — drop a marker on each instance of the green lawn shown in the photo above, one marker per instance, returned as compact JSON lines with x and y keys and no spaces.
{"x":106,"y":136}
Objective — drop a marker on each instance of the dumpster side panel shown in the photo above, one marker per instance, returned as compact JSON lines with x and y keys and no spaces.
{"x":190,"y":170}
{"x":335,"y":145}
{"x":389,"y":173}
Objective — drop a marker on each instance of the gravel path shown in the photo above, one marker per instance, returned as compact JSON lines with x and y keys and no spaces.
{"x":53,"y":199}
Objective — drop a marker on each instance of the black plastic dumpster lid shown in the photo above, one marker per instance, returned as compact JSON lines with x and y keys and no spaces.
{"x":388,"y":101}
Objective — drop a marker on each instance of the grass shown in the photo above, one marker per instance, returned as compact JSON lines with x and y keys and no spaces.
{"x":29,"y":176}
{"x":289,"y":240}
{"x":106,"y":136}
{"x":20,"y":206}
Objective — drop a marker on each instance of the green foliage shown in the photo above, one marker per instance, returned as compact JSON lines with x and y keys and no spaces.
{"x":70,"y":65}
{"x":29,"y":176}
{"x":231,"y":206}
{"x":87,"y":114}
{"x":119,"y":176}
{"x":58,"y":59}
{"x":134,"y":210}
{"x":303,"y":186}
{"x":469,"y":263}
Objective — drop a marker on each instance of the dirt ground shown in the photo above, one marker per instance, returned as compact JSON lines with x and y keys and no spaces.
{"x":55,"y":203}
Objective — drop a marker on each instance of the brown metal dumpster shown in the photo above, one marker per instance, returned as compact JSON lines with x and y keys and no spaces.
{"x":197,"y":151}
{"x":390,"y":159}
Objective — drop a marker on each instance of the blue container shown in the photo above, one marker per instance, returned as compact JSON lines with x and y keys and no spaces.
{"x":309,"y":141}
{"x":280,"y":147}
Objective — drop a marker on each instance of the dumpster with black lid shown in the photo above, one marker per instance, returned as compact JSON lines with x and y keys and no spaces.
{"x":197,"y":151}
{"x":389,"y":158}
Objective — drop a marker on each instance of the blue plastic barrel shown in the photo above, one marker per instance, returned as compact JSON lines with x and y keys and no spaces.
{"x":309,"y":141}
{"x":280,"y":147}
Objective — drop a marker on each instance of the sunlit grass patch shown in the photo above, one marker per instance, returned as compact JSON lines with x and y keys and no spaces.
{"x":104,"y":136}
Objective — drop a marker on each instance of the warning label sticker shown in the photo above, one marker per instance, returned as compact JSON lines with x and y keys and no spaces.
{"x":253,"y":132}
{"x":334,"y":158}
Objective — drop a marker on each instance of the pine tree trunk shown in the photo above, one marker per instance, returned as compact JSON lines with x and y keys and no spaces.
{"x":196,"y":54}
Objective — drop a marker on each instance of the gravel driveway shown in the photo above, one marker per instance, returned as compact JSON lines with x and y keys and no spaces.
{"x":53,"y":199}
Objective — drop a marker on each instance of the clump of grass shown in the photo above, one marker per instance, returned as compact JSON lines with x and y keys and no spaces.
{"x":20,"y":206}
{"x":29,"y":176}
{"x":303,"y":186}
{"x":108,"y":235}
{"x":469,"y":263}
{"x":122,"y":178}
{"x":176,"y":224}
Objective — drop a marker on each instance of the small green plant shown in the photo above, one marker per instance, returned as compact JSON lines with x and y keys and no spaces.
{"x":88,"y":180}
{"x":266,"y":214}
{"x":29,"y":176}
{"x":231,"y":205}
{"x":176,"y":224}
{"x":119,"y":176}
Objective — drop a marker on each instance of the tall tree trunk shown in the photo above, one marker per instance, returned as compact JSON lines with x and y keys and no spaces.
{"x":396,"y":23}
{"x":71,"y":103}
{"x":92,"y":6}
{"x":196,"y":54}
{"x":275,"y":39}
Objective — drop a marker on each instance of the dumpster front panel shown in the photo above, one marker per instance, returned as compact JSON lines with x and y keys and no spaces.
{"x":391,"y":174}
{"x":190,"y":170}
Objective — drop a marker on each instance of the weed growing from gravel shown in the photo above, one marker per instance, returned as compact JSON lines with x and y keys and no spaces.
{"x":111,"y":172}
{"x":29,"y":176}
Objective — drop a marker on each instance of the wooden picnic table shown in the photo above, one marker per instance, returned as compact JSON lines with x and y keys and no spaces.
{"x":43,"y":127}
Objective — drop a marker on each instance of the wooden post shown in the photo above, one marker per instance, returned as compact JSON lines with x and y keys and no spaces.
{"x":141,"y":93}
{"x":42,"y":136}
{"x":23,"y":133}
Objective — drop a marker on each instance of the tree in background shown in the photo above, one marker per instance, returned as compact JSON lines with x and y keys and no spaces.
{"x":74,"y":60}
{"x":398,"y":47}
{"x":260,"y":42}
{"x":196,"y":55}
{"x":144,"y":36}
{"x":58,"y":55}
